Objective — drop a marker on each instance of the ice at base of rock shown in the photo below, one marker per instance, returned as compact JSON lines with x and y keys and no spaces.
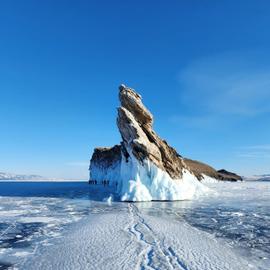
{"x":146,"y":182}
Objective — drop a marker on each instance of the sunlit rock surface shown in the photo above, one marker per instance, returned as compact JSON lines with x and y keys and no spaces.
{"x":144,"y":167}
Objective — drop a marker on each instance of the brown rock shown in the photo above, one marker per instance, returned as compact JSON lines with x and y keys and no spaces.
{"x":228,"y":176}
{"x":199,"y":168}
{"x":105,"y":157}
{"x":135,"y":123}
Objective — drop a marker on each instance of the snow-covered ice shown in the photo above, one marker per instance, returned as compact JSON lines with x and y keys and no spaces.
{"x":134,"y":240}
{"x":76,"y":226}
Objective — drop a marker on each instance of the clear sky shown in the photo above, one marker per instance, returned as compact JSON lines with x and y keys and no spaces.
{"x":202,"y":67}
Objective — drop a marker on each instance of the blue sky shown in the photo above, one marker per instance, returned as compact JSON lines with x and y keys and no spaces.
{"x":202,"y":67}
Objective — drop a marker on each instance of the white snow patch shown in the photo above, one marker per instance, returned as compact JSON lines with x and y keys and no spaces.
{"x":21,"y":253}
{"x":12,"y":213}
{"x":37,"y":219}
{"x":209,"y":180}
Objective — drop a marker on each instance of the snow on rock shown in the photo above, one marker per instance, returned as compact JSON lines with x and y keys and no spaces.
{"x":208,"y":180}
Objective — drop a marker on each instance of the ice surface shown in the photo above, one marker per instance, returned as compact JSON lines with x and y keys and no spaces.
{"x":32,"y":213}
{"x":132,"y":239}
{"x":76,"y":226}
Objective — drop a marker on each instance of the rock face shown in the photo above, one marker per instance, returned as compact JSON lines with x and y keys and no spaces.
{"x":228,"y":176}
{"x":135,"y":125}
{"x":200,"y":169}
{"x":144,"y":167}
{"x":106,"y":156}
{"x":105,"y":164}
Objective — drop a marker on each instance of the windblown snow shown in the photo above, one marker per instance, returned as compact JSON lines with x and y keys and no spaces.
{"x":134,"y":240}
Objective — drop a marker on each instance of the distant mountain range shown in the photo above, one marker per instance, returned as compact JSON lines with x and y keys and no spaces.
{"x":11,"y":176}
{"x":32,"y":177}
{"x":263,"y":177}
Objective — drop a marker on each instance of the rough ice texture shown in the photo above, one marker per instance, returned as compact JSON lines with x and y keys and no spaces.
{"x":131,"y":239}
{"x":150,"y":235}
{"x":144,"y":167}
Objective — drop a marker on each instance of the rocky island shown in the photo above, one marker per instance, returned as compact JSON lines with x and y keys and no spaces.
{"x":144,"y":167}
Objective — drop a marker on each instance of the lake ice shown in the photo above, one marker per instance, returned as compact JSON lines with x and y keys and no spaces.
{"x":73,"y":225}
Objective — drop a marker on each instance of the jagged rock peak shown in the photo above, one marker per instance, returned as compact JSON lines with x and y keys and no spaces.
{"x":121,"y":87}
{"x":139,"y":139}
{"x":132,"y":101}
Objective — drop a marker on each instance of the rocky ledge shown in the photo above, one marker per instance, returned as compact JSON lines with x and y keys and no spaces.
{"x":143,"y":166}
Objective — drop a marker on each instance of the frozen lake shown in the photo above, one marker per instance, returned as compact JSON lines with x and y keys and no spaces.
{"x":71,"y":225}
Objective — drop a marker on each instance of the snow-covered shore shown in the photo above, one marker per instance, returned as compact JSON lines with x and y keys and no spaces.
{"x":132,"y":239}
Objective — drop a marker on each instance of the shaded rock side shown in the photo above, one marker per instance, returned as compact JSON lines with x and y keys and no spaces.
{"x":105,"y":164}
{"x":228,"y":176}
{"x":105,"y":157}
{"x":200,"y":169}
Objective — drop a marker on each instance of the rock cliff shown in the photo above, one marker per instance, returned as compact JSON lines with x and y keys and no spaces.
{"x":144,"y":166}
{"x":135,"y":125}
